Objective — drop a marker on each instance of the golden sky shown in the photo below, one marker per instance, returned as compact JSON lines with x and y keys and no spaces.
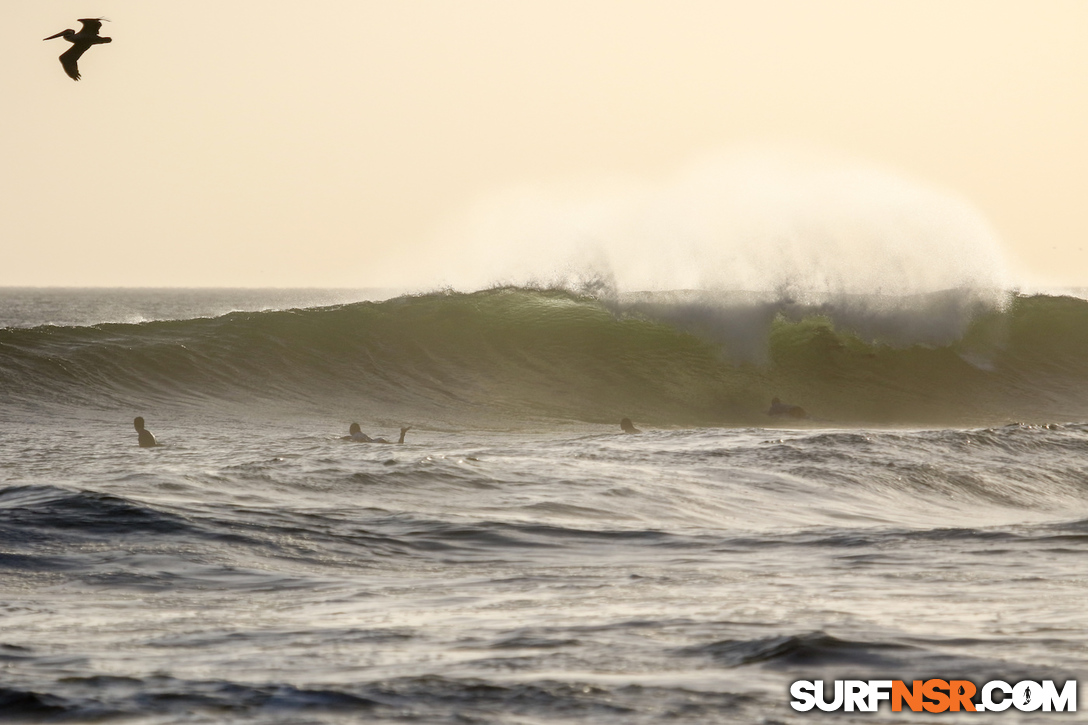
{"x":330,"y":143}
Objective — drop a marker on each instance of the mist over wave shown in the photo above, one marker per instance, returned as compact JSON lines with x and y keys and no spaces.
{"x":801,"y":226}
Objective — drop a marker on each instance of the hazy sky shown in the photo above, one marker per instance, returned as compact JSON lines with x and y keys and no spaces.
{"x":329,"y":143}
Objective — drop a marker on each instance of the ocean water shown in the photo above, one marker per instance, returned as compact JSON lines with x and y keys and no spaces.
{"x":518,"y":559}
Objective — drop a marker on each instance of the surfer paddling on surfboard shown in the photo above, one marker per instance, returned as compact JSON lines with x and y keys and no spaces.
{"x":356,"y":434}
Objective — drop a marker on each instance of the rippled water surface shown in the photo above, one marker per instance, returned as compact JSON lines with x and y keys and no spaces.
{"x":271,"y":572}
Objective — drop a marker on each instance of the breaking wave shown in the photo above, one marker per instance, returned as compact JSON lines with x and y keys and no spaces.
{"x":508,"y":357}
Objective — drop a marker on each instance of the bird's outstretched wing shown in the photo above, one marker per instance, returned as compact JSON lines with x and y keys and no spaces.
{"x":69,"y":57}
{"x":91,"y":26}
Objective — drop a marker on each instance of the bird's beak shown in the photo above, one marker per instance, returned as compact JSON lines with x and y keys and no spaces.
{"x":54,"y":36}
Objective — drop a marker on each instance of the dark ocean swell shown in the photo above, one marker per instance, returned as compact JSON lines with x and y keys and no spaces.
{"x":499,"y":358}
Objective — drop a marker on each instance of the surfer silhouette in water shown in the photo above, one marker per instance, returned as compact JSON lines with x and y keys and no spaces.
{"x":146,"y":439}
{"x":628,"y":427}
{"x":355,"y":433}
{"x":780,"y":409}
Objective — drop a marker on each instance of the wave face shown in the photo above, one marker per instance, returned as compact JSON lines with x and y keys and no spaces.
{"x":504,"y":357}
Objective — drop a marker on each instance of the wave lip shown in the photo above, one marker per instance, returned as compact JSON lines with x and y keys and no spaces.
{"x":82,"y":513}
{"x":814,"y":649}
{"x":29,"y":706}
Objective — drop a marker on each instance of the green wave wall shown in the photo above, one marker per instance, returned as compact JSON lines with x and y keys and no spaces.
{"x":508,"y":358}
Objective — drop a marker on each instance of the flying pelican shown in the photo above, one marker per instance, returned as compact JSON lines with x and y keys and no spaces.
{"x":85,"y":38}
